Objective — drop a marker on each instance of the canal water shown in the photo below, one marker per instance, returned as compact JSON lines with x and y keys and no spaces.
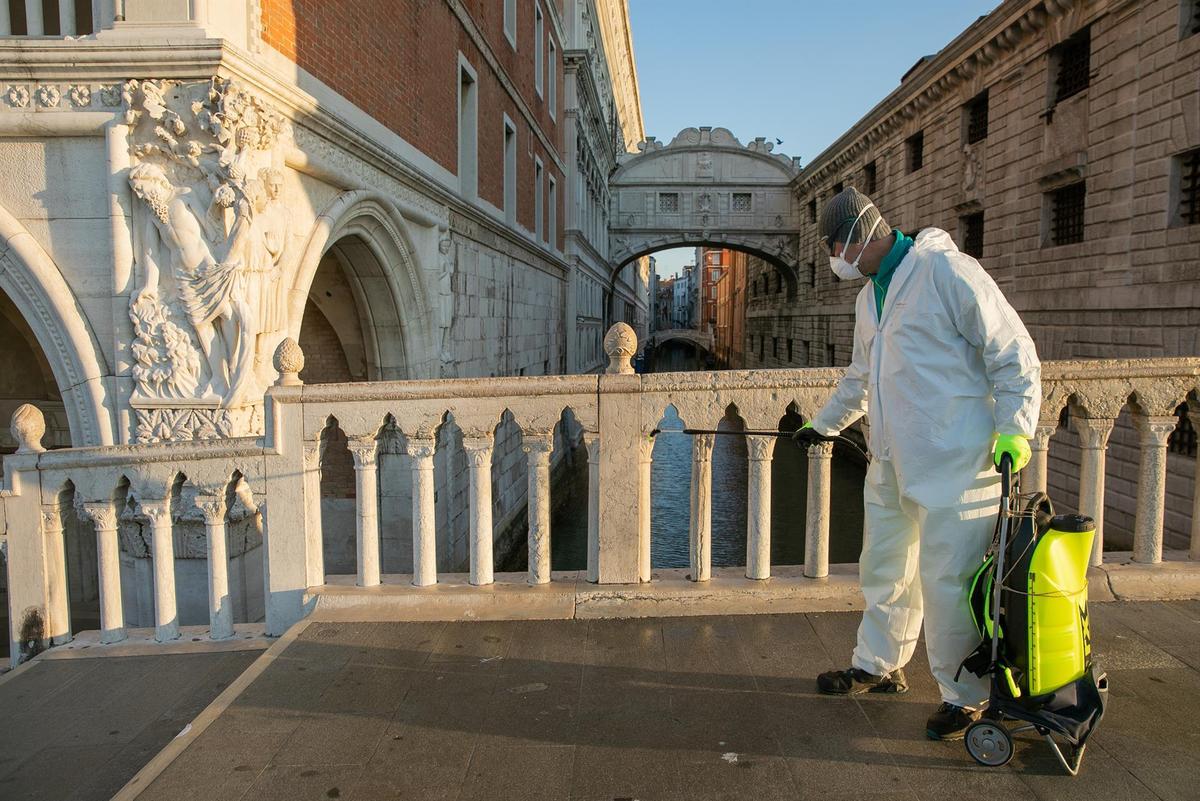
{"x":670,"y":493}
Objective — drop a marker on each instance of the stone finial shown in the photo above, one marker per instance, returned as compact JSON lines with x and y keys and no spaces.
{"x":28,"y":427}
{"x":620,"y":343}
{"x":289,"y":361}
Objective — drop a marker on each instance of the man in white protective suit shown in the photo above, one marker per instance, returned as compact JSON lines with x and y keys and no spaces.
{"x":950,"y":381}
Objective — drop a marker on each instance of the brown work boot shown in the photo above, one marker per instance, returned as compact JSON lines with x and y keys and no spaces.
{"x":854,"y":681}
{"x":950,"y":722}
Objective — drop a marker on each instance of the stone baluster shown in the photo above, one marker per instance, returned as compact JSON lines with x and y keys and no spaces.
{"x":1093,"y":440}
{"x":479,"y":449}
{"x":816,"y":529}
{"x":700,"y":528}
{"x":66,"y":18}
{"x":1152,"y":486}
{"x":220,"y":607}
{"x":592,"y":441}
{"x":1194,"y":550}
{"x":34,"y":22}
{"x":313,"y":533}
{"x":366,"y":489}
{"x":162,"y":551}
{"x":57,"y":588}
{"x":645,"y":465}
{"x":538,"y":446}
{"x":758,"y":507}
{"x":420,"y":451}
{"x":108,"y":553}
{"x":1036,"y":473}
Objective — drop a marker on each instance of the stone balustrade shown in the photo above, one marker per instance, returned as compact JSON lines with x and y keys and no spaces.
{"x":277,"y":477}
{"x":54,"y":18}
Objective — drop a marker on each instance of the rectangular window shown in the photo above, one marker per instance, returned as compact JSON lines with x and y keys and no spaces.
{"x":1183,"y":439}
{"x":971,"y":231}
{"x":1189,"y":22}
{"x":539,"y":179}
{"x":539,"y":25}
{"x":1066,"y":214}
{"x":468,"y":132}
{"x":830,"y":355}
{"x":552,"y":81}
{"x":552,"y":214}
{"x":869,"y":177}
{"x":510,"y":172}
{"x":838,"y":187}
{"x":789,"y":346}
{"x":812,"y":210}
{"x":510,"y":21}
{"x":1187,"y":170}
{"x":741,"y":201}
{"x":774,"y":347}
{"x":1072,"y":61}
{"x":778,"y":282}
{"x":914,"y":151}
{"x":762,"y":340}
{"x":976,"y":113}
{"x":812,"y":273}
{"x":668,"y":202}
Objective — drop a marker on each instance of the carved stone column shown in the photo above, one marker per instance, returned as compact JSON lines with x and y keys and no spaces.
{"x":758,"y":507}
{"x":479,"y":457}
{"x":108,"y":559}
{"x":1036,"y":472}
{"x":592,"y":441}
{"x":57,"y":589}
{"x":645,"y":466}
{"x":313,"y":533}
{"x":220,"y":608}
{"x":366,"y":490}
{"x":700,"y":528}
{"x":1093,"y":440}
{"x":816,"y":530}
{"x":537,"y":446}
{"x":162,"y":550}
{"x":424,"y":517}
{"x":1152,"y":486}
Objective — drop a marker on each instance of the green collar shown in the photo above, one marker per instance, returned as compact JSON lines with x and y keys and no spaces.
{"x":887,"y":268}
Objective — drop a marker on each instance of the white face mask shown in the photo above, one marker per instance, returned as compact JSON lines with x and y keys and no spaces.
{"x":848,"y":271}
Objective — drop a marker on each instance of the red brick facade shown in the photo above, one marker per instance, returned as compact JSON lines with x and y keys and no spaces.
{"x":397,"y":60}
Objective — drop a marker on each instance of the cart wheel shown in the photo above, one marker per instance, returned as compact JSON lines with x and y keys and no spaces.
{"x":989,"y":743}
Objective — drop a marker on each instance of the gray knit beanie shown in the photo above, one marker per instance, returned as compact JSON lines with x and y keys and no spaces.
{"x":839,"y":214}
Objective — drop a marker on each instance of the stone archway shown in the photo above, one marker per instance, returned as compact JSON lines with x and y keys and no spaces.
{"x":32,"y":281}
{"x":705,"y":188}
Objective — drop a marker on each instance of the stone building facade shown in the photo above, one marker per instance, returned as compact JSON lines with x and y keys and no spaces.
{"x":1059,"y":142}
{"x":386,"y":182}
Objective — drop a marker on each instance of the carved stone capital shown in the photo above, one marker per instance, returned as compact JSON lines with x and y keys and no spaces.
{"x":591,"y":440}
{"x":702,"y":447}
{"x":364,"y":450}
{"x":421,"y":450}
{"x":212,"y":507}
{"x":479,"y":450}
{"x":1042,"y":435}
{"x":1153,"y":430}
{"x":646,"y":450}
{"x":760,"y":449}
{"x":157,"y":512}
{"x":312,"y":455}
{"x":102,"y":514}
{"x":1093,"y":431}
{"x":537,"y":445}
{"x":820,"y":450}
{"x":51,"y":518}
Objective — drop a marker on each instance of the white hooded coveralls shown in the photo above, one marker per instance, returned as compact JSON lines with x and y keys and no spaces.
{"x":947,"y":365}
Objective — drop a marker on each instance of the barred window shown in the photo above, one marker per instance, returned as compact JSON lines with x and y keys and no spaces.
{"x":778,"y":282}
{"x":869,"y":176}
{"x":812,"y":210}
{"x":774,"y":347}
{"x":812,"y":273}
{"x":741,"y":201}
{"x":838,"y":187}
{"x":977,"y":118}
{"x":1189,"y":187}
{"x":1073,"y":60}
{"x":1066,"y":214}
{"x":1190,"y":19}
{"x":972,"y":234}
{"x":914,"y":150}
{"x":830,"y":355}
{"x":789,"y":346}
{"x":762,"y":343}
{"x":668,"y":202}
{"x":1183,"y":439}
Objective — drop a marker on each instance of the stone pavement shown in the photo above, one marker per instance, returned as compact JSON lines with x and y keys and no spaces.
{"x":665,"y":708}
{"x":80,"y":728}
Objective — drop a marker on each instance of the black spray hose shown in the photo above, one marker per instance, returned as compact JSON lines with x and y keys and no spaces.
{"x":787,"y":434}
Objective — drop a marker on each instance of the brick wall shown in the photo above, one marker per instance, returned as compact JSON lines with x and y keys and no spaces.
{"x":397,"y":60}
{"x":324,"y":360}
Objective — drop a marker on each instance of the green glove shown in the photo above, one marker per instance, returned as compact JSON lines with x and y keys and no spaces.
{"x":1016,"y":446}
{"x":806,"y":435}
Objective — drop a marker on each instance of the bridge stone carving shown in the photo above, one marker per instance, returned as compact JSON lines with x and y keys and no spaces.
{"x":705,"y":188}
{"x":702,"y":340}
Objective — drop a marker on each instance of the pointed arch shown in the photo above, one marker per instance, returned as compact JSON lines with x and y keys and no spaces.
{"x":34,"y":283}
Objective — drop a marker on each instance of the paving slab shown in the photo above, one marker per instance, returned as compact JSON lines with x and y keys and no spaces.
{"x":689,"y":708}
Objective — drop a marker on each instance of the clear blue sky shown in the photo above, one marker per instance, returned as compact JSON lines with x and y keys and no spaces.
{"x":798,"y":70}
